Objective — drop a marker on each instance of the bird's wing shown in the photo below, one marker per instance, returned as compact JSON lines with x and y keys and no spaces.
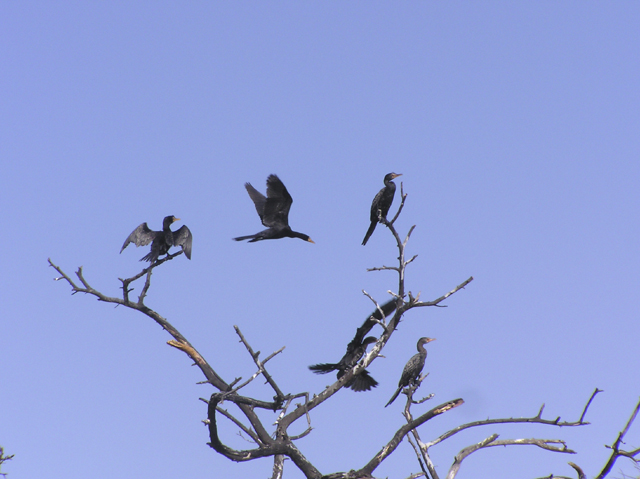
{"x":258,"y":199}
{"x":183,"y":237}
{"x":276,"y":210}
{"x":411,"y":370}
{"x":375,"y":205}
{"x":140,"y":236}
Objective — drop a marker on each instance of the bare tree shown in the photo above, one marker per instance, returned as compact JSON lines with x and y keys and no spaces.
{"x":278,"y":444}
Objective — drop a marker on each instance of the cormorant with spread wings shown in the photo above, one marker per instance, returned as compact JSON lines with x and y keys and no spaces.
{"x":161,"y":241}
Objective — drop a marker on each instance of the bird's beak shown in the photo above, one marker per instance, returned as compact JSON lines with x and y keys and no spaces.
{"x":311,"y":241}
{"x":395,"y":175}
{"x":175,"y":219}
{"x":431,"y":339}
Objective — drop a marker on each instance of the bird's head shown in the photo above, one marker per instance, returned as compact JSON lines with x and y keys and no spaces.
{"x":391,"y":176}
{"x":168,"y":220}
{"x":424,"y":341}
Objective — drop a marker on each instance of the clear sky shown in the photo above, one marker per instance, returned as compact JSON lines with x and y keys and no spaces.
{"x":515,"y":125}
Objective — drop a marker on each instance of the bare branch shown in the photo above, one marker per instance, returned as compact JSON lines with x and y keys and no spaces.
{"x":616,"y":452}
{"x":584,"y":412}
{"x":384,"y":268}
{"x":4,"y":458}
{"x":179,"y":342}
{"x":581,"y":474}
{"x":406,"y":240}
{"x":423,"y":451}
{"x":233,"y":419}
{"x":418,"y":453}
{"x":442,"y":298}
{"x":491,"y":441}
{"x":410,"y":260}
{"x":260,"y":364}
{"x":278,"y":466}
{"x":379,"y":308}
{"x":404,"y":197}
{"x":402,"y":432}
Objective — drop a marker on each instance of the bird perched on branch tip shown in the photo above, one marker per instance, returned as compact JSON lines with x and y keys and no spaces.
{"x":381,"y":203}
{"x":412,"y":369}
{"x":161,"y":241}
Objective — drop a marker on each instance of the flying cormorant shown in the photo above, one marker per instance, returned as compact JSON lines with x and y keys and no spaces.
{"x":273,"y":211}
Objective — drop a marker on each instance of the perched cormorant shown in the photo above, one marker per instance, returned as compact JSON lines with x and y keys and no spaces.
{"x":382,"y":202}
{"x":273,"y":211}
{"x":161,"y":241}
{"x":412,"y":369}
{"x":360,"y":382}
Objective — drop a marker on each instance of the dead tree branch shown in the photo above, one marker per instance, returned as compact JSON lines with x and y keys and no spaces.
{"x":491,"y":441}
{"x":537,"y":419}
{"x":616,"y":452}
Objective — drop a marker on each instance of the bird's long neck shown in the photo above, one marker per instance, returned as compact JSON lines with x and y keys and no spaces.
{"x":295,"y":234}
{"x":168,"y":234}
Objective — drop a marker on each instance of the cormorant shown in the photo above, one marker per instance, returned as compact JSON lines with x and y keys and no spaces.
{"x":360,"y":382}
{"x":382,"y":202}
{"x":273,"y":211}
{"x":412,"y":369}
{"x":161,"y":241}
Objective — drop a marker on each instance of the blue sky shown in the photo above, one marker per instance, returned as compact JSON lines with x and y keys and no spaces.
{"x":516,"y":129}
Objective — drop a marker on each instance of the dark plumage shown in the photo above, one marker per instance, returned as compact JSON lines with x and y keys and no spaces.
{"x":161,"y":241}
{"x":382,"y":202}
{"x":360,"y":382}
{"x":273,"y":211}
{"x":373,"y":319}
{"x":412,"y":369}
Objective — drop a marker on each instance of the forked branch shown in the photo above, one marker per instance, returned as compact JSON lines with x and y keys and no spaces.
{"x":616,"y":452}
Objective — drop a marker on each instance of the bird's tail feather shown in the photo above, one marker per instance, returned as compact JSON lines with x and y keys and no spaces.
{"x":151,"y":257}
{"x":241,"y":238}
{"x":362,"y":382}
{"x":393,"y":398}
{"x":323,"y":368}
{"x":369,"y":232}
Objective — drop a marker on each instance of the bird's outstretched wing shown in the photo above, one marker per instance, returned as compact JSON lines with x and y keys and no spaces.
{"x":183,"y":237}
{"x":140,"y":236}
{"x":278,"y":204}
{"x":258,"y":199}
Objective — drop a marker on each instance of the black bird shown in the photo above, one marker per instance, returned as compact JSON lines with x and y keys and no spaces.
{"x":382,"y":202}
{"x":161,"y":241}
{"x":361,"y":382}
{"x":412,"y":369}
{"x":273,"y":211}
